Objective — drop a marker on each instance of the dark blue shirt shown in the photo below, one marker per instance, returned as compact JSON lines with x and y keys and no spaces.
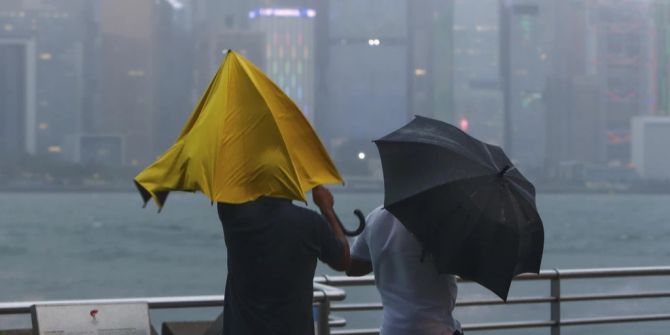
{"x":272,"y":247}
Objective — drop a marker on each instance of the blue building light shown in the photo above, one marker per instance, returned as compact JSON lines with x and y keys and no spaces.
{"x":282,"y":12}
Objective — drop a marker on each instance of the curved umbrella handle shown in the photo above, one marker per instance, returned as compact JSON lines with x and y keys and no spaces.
{"x":361,"y":224}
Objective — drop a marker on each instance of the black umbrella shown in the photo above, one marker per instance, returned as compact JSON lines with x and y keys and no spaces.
{"x":464,"y":201}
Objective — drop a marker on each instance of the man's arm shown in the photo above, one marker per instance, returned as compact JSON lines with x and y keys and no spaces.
{"x":324,"y":199}
{"x":359,"y":267}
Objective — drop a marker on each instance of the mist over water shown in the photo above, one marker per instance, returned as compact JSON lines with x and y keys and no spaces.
{"x":104,"y":245}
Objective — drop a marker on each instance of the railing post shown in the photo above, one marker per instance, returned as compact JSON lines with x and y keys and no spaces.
{"x":323,"y":317}
{"x":556,"y":304}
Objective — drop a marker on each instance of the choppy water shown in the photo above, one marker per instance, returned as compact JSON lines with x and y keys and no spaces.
{"x":100,"y":245}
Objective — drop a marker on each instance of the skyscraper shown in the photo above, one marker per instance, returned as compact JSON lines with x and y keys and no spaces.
{"x":523,"y":53}
{"x":661,"y":60}
{"x":571,"y":95}
{"x":127,"y":77}
{"x":44,"y":45}
{"x":14,"y":88}
{"x":477,"y":95}
{"x":289,"y":50}
{"x":443,"y":60}
{"x":623,"y":66}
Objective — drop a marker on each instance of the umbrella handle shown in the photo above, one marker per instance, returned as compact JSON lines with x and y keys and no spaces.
{"x":361,"y":224}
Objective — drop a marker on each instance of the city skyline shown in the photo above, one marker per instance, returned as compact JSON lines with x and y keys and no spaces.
{"x":554,"y":83}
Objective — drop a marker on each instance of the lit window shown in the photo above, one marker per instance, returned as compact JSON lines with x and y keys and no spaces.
{"x":43,"y":126}
{"x":419,"y":72}
{"x":45,"y":56}
{"x":55,"y":148}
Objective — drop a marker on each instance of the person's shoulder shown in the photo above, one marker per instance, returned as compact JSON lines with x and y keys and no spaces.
{"x":379,"y":215}
{"x":303,"y":213}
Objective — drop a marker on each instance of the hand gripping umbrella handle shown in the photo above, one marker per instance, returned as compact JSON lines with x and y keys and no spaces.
{"x":361,"y":224}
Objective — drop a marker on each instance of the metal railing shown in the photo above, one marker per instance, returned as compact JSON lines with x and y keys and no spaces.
{"x":329,"y":289}
{"x":554,"y":299}
{"x":322,"y":298}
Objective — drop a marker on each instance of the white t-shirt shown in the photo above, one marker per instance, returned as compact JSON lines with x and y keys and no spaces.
{"x":417,"y":299}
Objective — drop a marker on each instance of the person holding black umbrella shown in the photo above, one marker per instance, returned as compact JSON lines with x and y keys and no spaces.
{"x":417,"y":299}
{"x":453,"y":205}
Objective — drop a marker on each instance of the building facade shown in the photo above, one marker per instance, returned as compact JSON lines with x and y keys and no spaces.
{"x":624,"y":66}
{"x":127,"y":78}
{"x":477,"y":94}
{"x":43,"y":48}
{"x":523,"y":68}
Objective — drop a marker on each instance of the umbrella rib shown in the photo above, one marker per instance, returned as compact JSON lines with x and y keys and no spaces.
{"x":283,"y":142}
{"x":456,"y":151}
{"x":436,"y":186}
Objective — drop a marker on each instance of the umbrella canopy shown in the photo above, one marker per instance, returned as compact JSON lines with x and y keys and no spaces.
{"x":464,"y":201}
{"x":245,"y":139}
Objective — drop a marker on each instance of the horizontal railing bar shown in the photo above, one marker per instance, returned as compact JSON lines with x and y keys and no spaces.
{"x":23,"y":307}
{"x":595,"y":297}
{"x":356,"y":307}
{"x":507,"y":325}
{"x":459,"y":303}
{"x":324,"y":292}
{"x":614,"y":272}
{"x":534,"y":324}
{"x":372,"y":331}
{"x":337,"y":322}
{"x":469,"y":327}
{"x":344,"y":280}
{"x":615,"y":319}
{"x":510,"y":301}
{"x":321,"y":293}
{"x":523,"y":300}
{"x":544,"y":274}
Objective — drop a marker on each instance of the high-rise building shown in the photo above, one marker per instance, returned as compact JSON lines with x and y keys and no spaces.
{"x":289,"y":50}
{"x":623,"y":58}
{"x":44,"y":44}
{"x":127,"y":77}
{"x":523,"y":55}
{"x":366,"y":67}
{"x":477,"y":95}
{"x":443,"y":60}
{"x":661,"y":60}
{"x":15,"y":83}
{"x":571,"y":94}
{"x":173,"y":61}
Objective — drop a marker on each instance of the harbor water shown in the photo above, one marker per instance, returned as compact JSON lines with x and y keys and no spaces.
{"x":105,"y":245}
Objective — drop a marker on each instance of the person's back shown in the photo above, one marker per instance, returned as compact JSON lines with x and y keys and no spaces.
{"x":272,"y":248}
{"x":417,"y":299}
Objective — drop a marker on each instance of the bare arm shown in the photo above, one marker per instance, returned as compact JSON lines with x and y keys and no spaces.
{"x":324,"y":199}
{"x":358,"y":267}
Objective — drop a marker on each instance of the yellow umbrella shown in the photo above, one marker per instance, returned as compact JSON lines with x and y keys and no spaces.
{"x":244,"y":140}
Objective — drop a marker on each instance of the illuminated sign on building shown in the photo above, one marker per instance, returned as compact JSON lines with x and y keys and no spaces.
{"x":282,"y":12}
{"x":288,"y":51}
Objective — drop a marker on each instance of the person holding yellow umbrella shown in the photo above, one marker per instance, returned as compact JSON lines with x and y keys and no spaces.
{"x":250,"y":149}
